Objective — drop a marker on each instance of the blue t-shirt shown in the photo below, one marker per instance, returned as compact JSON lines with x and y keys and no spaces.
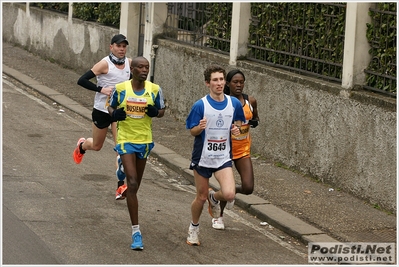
{"x":197,"y":114}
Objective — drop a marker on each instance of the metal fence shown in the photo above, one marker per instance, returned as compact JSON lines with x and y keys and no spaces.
{"x":205,"y":25}
{"x":381,"y":73}
{"x":305,"y":38}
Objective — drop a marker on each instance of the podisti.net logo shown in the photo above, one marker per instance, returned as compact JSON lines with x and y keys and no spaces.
{"x":351,"y":252}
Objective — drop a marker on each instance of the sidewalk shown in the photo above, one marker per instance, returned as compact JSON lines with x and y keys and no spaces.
{"x":290,"y":201}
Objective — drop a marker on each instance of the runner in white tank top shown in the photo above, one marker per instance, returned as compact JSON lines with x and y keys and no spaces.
{"x":216,"y":146}
{"x":211,"y":121}
{"x":114,"y":76}
{"x":112,"y":69}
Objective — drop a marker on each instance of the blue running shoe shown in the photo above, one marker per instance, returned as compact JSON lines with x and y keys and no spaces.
{"x":119,"y":172}
{"x":137,"y":241}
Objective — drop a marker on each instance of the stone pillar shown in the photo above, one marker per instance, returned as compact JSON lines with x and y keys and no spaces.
{"x":356,"y":55}
{"x":155,"y":18}
{"x":239,"y":31}
{"x":27,"y":9}
{"x":70,"y":12}
{"x":130,"y":26}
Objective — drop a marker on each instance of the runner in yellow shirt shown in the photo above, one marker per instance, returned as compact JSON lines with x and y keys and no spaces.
{"x":133,"y":104}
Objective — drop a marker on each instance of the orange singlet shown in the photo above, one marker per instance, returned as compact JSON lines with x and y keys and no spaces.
{"x":242,"y":143}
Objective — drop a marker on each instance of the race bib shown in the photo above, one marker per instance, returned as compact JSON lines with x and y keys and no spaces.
{"x":135,"y":107}
{"x":216,"y":144}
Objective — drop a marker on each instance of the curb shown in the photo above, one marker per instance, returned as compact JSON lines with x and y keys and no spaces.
{"x":255,"y":205}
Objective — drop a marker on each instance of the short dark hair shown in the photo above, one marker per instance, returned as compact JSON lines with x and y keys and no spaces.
{"x":212,"y":69}
{"x":136,"y":60}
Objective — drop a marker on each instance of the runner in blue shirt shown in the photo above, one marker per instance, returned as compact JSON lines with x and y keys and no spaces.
{"x":211,"y":121}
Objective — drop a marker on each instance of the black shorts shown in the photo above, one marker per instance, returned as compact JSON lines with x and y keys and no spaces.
{"x":101,"y":119}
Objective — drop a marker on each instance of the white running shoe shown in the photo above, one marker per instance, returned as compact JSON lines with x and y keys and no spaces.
{"x":230,"y":205}
{"x":192,"y":238}
{"x":217,"y":223}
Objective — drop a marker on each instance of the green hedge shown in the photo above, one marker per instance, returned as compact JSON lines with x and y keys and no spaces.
{"x":105,"y":13}
{"x":60,"y":7}
{"x":218,"y":25}
{"x":381,"y":34}
{"x":293,"y":31}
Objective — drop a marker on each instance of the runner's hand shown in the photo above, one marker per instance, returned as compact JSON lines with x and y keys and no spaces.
{"x":152,"y":111}
{"x":253,"y":123}
{"x":119,"y":114}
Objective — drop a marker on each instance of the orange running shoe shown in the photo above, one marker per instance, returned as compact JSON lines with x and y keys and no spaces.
{"x":121,"y":192}
{"x":77,"y":156}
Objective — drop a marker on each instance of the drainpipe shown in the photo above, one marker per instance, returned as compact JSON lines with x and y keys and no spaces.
{"x":153,"y":48}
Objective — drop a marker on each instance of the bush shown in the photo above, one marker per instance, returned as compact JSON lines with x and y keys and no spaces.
{"x":381,"y":34}
{"x":304,"y":36}
{"x":109,"y":13}
{"x":60,"y":7}
{"x":85,"y":11}
{"x":105,"y":13}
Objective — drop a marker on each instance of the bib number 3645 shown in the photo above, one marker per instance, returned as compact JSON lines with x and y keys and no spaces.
{"x":216,"y":146}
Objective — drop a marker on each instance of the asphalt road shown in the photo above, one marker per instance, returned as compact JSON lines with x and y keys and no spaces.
{"x":58,"y":212}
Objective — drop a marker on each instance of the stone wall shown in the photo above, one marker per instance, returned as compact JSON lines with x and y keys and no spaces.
{"x":342,"y":137}
{"x":75,"y":44}
{"x":345,"y":138}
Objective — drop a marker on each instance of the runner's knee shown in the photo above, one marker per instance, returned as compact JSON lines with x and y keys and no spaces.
{"x":132,"y":185}
{"x":229,"y":196}
{"x":97,"y":147}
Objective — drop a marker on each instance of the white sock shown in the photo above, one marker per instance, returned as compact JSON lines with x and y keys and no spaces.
{"x":135,"y":228}
{"x":192,"y":225}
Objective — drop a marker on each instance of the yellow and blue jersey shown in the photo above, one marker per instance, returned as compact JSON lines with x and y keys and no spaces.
{"x":137,"y":127}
